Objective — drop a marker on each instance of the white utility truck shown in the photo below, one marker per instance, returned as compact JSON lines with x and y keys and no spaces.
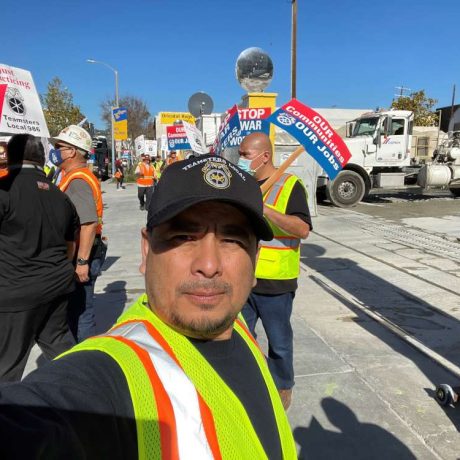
{"x":380,"y":143}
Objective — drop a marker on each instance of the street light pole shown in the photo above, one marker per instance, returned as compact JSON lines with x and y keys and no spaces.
{"x":294,"y":50}
{"x":93,"y":61}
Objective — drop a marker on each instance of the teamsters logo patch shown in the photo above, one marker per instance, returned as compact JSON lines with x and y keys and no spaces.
{"x":15,"y":101}
{"x":217,"y":175}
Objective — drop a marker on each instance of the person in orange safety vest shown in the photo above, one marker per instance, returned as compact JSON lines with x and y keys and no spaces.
{"x":146,"y":177}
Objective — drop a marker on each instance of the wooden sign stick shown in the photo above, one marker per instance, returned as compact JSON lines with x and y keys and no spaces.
{"x":277,"y":174}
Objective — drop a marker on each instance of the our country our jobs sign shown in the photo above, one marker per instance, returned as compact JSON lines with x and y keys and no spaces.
{"x":315,"y":134}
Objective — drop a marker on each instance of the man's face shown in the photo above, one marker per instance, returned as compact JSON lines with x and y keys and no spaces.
{"x":256,"y":155}
{"x":200,"y":269}
{"x":67,"y":151}
{"x":146,"y":160}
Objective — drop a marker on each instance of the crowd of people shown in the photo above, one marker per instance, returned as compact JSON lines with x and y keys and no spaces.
{"x":180,"y":374}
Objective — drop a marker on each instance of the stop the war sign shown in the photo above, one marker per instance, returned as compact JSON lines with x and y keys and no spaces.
{"x":20,"y":108}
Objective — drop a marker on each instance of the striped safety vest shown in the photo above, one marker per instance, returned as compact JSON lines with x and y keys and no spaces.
{"x":147,"y":175}
{"x":158,"y":165}
{"x":183,"y":408}
{"x":86,"y":175}
{"x":279,"y":259}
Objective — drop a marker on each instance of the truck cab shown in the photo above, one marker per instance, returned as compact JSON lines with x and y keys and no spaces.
{"x":379,"y":143}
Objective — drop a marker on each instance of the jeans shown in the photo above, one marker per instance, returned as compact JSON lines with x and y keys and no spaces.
{"x":144,"y":194}
{"x":82,"y":320}
{"x":275,"y":314}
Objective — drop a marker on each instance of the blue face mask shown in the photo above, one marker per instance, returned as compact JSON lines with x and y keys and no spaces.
{"x":56,"y":157}
{"x":245,"y":165}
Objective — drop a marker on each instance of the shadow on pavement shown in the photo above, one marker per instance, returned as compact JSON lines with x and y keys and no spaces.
{"x":109,"y":261}
{"x":415,"y":316}
{"x":354,"y":440}
{"x":110,"y":305}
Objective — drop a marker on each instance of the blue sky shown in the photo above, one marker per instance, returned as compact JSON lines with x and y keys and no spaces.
{"x":351,"y":53}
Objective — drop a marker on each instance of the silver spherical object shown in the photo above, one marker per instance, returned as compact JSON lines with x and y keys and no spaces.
{"x":254,"y":69}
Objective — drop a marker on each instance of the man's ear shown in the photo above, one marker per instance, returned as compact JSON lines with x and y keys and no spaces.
{"x":145,"y":244}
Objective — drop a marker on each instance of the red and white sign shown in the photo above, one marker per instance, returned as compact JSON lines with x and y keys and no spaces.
{"x":20,"y":108}
{"x":177,"y":138}
{"x":258,"y":113}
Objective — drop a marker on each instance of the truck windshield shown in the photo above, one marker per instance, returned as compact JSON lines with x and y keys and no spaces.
{"x":365,"y":126}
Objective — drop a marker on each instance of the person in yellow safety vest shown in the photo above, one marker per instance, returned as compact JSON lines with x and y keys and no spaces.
{"x":158,"y":164}
{"x":179,"y":376}
{"x":71,"y":148}
{"x":278,"y":264}
{"x":146,"y":175}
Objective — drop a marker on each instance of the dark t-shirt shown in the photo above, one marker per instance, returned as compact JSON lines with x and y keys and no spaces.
{"x":235,"y":363}
{"x":80,"y":407}
{"x":36,"y":220}
{"x":297,"y":206}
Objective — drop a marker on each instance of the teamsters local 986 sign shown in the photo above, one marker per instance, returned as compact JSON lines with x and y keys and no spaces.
{"x":20,"y":108}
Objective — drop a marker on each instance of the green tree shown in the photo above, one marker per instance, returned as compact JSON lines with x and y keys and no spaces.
{"x":421,"y":105}
{"x":139,"y":118}
{"x":59,"y":108}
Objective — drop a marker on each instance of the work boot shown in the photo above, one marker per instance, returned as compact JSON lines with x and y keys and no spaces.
{"x":286,"y":397}
{"x":141,"y":207}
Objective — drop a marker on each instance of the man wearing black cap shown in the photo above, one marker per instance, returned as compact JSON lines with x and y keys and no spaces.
{"x":179,"y":375}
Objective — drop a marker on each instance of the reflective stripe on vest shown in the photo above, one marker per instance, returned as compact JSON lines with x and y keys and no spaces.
{"x":183,"y":408}
{"x":279,"y":259}
{"x":147,"y":175}
{"x":86,"y":175}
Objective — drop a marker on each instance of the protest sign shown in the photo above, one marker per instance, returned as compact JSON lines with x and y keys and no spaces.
{"x":229,"y":128}
{"x":150,"y":147}
{"x":177,"y":139}
{"x":139,"y":144}
{"x":195,"y":138}
{"x":251,"y":120}
{"x":20,"y":108}
{"x":315,"y":134}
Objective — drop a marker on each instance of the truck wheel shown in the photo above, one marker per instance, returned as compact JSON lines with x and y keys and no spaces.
{"x":346,"y":190}
{"x":455,"y":191}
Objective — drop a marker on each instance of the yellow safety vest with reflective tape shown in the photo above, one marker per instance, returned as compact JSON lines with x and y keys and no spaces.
{"x":182,"y":406}
{"x":279,"y":259}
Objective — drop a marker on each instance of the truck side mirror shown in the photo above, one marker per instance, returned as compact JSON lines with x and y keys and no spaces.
{"x":389,"y":126}
{"x":350,"y":127}
{"x":377,"y":138}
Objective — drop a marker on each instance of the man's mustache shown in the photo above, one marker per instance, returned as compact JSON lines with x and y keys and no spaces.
{"x":212,"y":286}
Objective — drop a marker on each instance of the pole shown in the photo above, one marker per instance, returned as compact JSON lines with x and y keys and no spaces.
{"x":114,"y":152}
{"x":116,"y":88}
{"x":294,"y":51}
{"x":113,"y":142}
{"x":453,"y":103}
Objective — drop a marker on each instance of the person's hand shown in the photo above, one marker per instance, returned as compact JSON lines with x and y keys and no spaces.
{"x":82,"y":273}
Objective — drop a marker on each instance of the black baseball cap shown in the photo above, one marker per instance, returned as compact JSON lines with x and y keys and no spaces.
{"x":207,"y":178}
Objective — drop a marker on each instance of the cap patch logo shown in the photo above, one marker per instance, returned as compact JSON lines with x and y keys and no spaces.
{"x":217,"y":175}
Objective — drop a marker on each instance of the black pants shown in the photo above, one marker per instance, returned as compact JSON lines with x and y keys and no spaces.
{"x":45,"y":325}
{"x":144,"y":194}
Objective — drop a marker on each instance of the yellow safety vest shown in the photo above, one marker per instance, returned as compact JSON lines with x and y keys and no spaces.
{"x":182,"y":406}
{"x":158,"y":166}
{"x":279,"y":259}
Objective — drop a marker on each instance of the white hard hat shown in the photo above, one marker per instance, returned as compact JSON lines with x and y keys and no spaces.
{"x":76,"y":136}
